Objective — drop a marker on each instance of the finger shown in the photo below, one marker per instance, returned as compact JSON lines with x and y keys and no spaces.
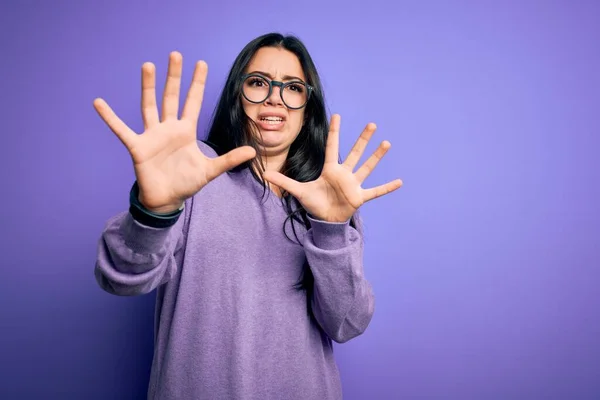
{"x":231,"y":159}
{"x":289,"y":185}
{"x":193,"y":103}
{"x":119,"y":128}
{"x":149,"y":107}
{"x":333,"y":140}
{"x":171,"y":93}
{"x":360,"y":145}
{"x":373,"y":193}
{"x":365,"y":170}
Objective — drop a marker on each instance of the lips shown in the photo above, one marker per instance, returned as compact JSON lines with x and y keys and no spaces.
{"x":271,"y":121}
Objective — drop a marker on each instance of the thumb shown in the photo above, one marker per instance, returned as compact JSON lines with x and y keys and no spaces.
{"x":232,"y":159}
{"x":285,"y":183}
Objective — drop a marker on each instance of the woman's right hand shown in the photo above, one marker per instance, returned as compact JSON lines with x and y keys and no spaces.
{"x":169,"y":165}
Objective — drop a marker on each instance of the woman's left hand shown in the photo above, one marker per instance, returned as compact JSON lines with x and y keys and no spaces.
{"x":337,"y":193}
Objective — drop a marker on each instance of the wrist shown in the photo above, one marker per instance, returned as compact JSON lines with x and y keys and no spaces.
{"x":151,"y":218}
{"x":335,"y":219}
{"x":330,"y":235}
{"x":164,"y":210}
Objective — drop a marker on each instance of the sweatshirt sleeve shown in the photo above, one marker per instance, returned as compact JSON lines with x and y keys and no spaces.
{"x":343,"y":302}
{"x":135,"y":259}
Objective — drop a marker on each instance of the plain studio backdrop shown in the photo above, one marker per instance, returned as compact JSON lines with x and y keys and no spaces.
{"x":485,"y":265}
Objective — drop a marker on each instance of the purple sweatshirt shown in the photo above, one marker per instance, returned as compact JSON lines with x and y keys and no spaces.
{"x":229,"y":322}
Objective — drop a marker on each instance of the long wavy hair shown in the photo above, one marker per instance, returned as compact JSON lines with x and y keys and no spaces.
{"x":231,"y":127}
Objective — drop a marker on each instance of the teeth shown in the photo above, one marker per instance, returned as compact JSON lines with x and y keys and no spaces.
{"x":272,"y":120}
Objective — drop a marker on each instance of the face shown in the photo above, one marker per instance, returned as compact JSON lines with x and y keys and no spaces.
{"x":279,"y":125}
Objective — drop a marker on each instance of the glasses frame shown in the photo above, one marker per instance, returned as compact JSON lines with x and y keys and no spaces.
{"x":281,"y":85}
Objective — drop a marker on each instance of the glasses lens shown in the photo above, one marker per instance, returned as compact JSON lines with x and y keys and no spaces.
{"x":295,"y":94}
{"x":256,"y":89}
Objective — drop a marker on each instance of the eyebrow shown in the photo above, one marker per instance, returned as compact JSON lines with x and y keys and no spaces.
{"x":285,"y":77}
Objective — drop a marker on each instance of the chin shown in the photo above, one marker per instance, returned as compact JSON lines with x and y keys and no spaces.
{"x":272,"y":147}
{"x":272,"y":139}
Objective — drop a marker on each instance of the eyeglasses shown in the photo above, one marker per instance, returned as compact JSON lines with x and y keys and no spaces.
{"x":257,"y":89}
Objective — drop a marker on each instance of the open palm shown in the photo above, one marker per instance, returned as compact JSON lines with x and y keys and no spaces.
{"x":337,"y":193}
{"x":169,"y":166}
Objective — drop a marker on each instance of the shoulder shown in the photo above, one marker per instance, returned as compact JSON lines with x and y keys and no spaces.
{"x":223,"y":180}
{"x":206,"y":149}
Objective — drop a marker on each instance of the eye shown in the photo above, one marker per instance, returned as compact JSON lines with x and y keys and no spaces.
{"x":256,"y":82}
{"x":296,"y":87}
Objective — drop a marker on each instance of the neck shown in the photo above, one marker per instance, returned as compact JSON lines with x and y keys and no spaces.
{"x":273,"y":163}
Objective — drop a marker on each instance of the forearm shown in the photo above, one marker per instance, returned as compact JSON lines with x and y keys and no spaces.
{"x":134,"y":258}
{"x":343,"y":301}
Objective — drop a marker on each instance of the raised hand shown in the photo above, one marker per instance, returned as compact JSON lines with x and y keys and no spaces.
{"x":337,"y":193}
{"x":168,"y":163}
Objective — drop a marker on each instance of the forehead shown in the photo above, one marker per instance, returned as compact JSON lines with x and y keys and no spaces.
{"x":277,"y":62}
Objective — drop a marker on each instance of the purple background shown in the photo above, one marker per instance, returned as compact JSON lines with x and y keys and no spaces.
{"x":485,"y":265}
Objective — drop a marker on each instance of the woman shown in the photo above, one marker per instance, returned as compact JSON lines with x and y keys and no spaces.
{"x":251,"y":239}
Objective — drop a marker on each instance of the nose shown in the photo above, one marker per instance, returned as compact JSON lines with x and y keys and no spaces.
{"x":275,"y":98}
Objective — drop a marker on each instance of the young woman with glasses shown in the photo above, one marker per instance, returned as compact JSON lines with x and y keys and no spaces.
{"x":251,"y":238}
